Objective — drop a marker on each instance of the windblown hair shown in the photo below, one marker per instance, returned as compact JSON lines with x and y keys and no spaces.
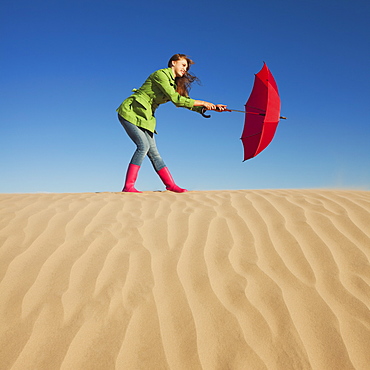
{"x":183,"y":83}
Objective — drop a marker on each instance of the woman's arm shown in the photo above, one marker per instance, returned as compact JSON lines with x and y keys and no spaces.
{"x":162,"y":80}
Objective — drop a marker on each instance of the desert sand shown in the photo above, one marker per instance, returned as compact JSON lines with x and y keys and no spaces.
{"x":244,"y":279}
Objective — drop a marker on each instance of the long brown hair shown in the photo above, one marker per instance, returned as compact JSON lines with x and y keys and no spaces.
{"x":183,"y":83}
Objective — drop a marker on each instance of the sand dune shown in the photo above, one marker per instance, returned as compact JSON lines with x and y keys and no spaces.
{"x":249,"y":279}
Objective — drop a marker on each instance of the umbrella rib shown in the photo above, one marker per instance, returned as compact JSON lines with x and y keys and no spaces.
{"x":261,"y":114}
{"x":262,"y":110}
{"x":246,"y":137}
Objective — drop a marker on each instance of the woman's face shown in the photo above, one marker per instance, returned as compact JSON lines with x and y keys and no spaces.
{"x":180,"y":67}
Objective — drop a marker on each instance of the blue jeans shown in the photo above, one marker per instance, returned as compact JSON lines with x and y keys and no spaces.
{"x":145,"y":145}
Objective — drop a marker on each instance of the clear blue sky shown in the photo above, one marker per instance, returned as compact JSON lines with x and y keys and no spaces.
{"x":66,"y":66}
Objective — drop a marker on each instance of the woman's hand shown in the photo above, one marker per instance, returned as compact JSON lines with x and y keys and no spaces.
{"x":208,"y":106}
{"x":211,"y":106}
{"x":221,"y":108}
{"x":216,"y":107}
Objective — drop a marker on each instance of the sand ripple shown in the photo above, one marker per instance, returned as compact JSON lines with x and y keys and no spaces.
{"x":267,"y":279}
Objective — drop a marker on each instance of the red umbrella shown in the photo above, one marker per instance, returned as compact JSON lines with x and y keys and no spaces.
{"x":262,"y":114}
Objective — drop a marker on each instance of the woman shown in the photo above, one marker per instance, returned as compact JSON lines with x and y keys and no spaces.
{"x":136,"y":115}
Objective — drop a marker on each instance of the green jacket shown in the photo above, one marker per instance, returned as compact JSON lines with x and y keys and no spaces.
{"x":159,"y":88}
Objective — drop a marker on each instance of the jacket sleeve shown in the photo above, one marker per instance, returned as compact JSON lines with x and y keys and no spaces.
{"x":162,"y":81}
{"x":198,"y":109}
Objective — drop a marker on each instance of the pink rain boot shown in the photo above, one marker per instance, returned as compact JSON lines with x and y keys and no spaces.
{"x":167,"y":179}
{"x":131,"y":177}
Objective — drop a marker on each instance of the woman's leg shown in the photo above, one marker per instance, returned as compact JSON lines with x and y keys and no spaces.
{"x":153,"y":154}
{"x":140,"y":139}
{"x":160,"y":167}
{"x":142,"y":147}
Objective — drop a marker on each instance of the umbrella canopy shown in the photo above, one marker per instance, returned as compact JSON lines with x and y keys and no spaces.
{"x":262,"y":114}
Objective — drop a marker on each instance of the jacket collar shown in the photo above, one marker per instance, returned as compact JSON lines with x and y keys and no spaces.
{"x":170,"y":71}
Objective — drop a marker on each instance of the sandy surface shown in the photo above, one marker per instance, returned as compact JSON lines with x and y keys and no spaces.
{"x":264,"y":279}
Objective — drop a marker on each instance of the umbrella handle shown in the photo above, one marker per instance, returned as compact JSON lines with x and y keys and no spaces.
{"x":204,"y":115}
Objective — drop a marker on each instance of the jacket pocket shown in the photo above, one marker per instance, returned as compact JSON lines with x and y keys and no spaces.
{"x":141,"y":107}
